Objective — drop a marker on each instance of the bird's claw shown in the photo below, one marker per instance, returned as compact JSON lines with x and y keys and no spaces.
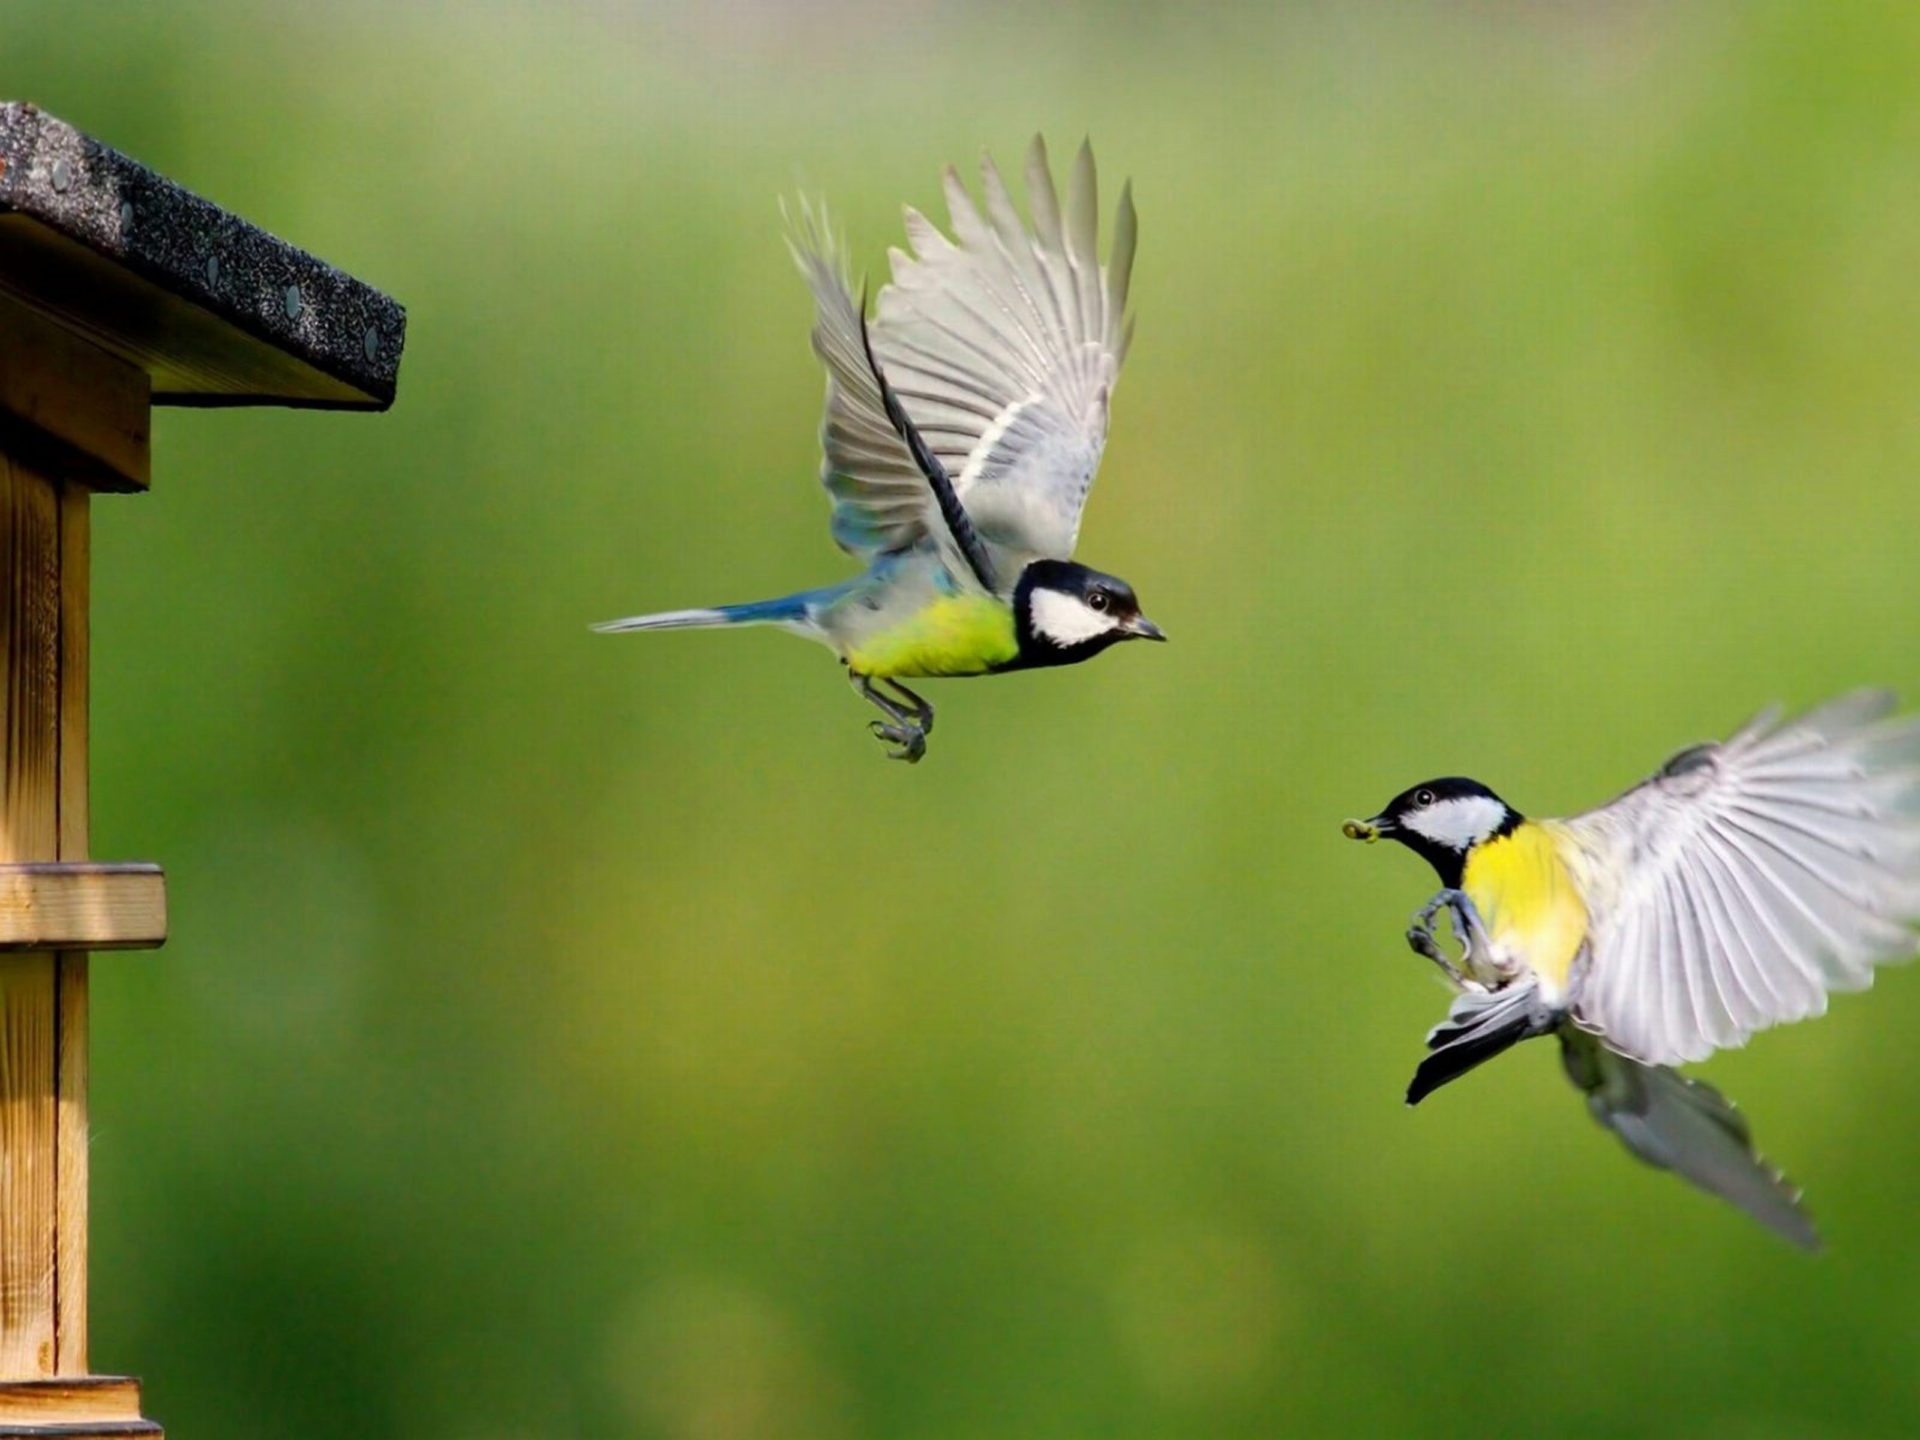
{"x":1420,"y":940}
{"x":911,"y":740}
{"x":909,"y":718}
{"x":1472,"y":969}
{"x":919,"y":712}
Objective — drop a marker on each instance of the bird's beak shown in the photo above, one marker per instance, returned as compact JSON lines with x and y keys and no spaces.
{"x":1141,"y":628}
{"x":1367,"y":830}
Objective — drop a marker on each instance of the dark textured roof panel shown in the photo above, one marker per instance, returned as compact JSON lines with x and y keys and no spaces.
{"x":218,"y":311}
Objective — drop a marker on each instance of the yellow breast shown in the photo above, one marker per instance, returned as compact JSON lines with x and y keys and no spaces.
{"x":964,"y":634}
{"x":1527,"y":900}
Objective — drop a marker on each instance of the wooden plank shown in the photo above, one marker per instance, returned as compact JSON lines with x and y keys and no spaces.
{"x":82,"y":905}
{"x":72,"y":1066}
{"x":30,"y":652}
{"x":27,"y":1179}
{"x":72,"y":1062}
{"x":76,"y":544}
{"x":89,"y":407}
{"x":29,"y":830}
{"x":72,"y":1400}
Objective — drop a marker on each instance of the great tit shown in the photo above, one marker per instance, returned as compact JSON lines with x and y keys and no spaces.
{"x":1730,"y":892}
{"x":962,"y":432}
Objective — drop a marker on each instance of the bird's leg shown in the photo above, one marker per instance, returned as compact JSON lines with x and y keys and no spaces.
{"x":902,"y":727}
{"x":922,"y":711}
{"x":1477,"y":956}
{"x":1475,"y":967}
{"x":1421,"y":941}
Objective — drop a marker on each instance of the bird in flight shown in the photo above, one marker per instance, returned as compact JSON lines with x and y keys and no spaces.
{"x":963,"y":429}
{"x":1731,"y":891}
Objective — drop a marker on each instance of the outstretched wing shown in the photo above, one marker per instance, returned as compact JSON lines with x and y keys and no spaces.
{"x":1002,"y":345}
{"x":1005,"y":343}
{"x":1746,"y":880}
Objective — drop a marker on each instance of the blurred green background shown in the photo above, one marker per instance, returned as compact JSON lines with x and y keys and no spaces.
{"x":565,"y":1036}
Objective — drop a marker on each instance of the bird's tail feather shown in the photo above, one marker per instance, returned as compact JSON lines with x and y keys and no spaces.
{"x":788,"y":610}
{"x":1480,"y":1025}
{"x":1685,"y":1126}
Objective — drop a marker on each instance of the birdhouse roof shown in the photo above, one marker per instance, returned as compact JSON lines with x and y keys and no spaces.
{"x":215,"y":310}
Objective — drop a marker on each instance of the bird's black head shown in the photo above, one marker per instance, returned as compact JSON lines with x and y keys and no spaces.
{"x":1064,"y":613}
{"x":1441,"y":820}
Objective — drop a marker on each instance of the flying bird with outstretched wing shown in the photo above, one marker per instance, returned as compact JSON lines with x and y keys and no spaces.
{"x":963,"y":427}
{"x":1733,"y":890}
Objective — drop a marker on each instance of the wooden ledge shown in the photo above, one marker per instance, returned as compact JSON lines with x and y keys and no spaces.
{"x":83,"y":906}
{"x":73,"y":1407}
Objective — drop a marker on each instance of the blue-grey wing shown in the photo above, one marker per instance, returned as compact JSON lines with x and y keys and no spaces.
{"x":1003,"y":344}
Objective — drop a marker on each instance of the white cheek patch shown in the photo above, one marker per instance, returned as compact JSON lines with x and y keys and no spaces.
{"x":1460,"y":821}
{"x":1065,"y":619}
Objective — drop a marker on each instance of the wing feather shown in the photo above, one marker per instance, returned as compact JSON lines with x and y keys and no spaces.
{"x":1001,"y":341}
{"x":1083,"y":253}
{"x":1794,"y":981}
{"x":1026,"y":320}
{"x":880,"y":499}
{"x":1746,"y":979}
{"x":1126,"y":236}
{"x":1016,"y":249}
{"x":1739,"y":886}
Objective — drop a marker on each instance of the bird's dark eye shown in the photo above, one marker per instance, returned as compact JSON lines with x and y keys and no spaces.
{"x":1423,"y":798}
{"x":1097,"y":600}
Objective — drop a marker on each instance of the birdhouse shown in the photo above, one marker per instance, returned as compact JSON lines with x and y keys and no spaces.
{"x":119,"y":291}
